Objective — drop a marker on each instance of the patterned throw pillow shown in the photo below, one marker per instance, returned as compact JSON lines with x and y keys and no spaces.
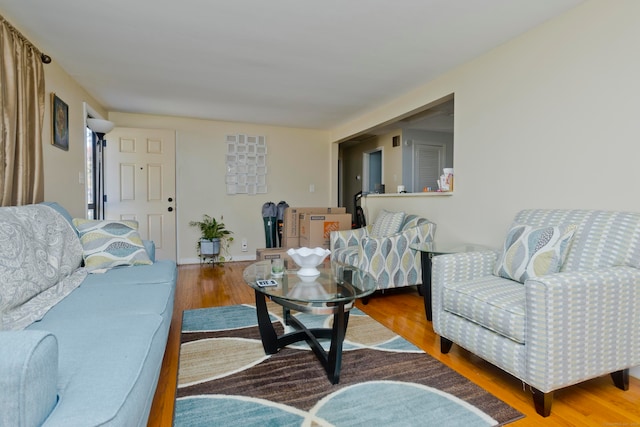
{"x":109,"y":244}
{"x":387,"y":223}
{"x":530,"y":252}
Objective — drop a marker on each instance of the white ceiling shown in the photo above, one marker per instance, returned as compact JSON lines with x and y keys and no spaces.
{"x":299,"y":63}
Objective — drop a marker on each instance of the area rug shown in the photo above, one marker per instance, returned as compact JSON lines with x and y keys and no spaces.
{"x":225,"y":378}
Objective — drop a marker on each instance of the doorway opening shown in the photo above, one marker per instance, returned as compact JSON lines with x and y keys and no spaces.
{"x":372,"y":173}
{"x":418,"y":145}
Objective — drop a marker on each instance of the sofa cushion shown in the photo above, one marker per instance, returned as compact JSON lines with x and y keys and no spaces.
{"x":141,"y":289}
{"x":102,"y":367}
{"x":108,"y":244}
{"x":493,"y":302}
{"x":533,"y":251}
{"x":387,"y":223}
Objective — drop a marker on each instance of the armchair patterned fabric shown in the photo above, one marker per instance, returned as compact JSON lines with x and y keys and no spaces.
{"x":388,"y":259}
{"x":556,"y":329}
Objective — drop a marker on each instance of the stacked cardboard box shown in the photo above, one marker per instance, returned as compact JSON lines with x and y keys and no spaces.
{"x":315,"y":229}
{"x":274,"y":253}
{"x":291,"y":226}
{"x":310,"y":227}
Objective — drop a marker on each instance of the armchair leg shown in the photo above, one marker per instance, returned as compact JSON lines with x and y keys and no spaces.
{"x":445,"y":345}
{"x":542,"y":402}
{"x":621,"y":379}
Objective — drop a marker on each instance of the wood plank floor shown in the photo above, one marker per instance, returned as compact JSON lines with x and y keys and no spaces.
{"x":593,"y":403}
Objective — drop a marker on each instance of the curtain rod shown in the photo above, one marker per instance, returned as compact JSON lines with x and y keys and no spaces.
{"x":46,"y":59}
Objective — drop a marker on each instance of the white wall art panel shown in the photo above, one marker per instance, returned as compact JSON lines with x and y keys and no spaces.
{"x":246,"y":161}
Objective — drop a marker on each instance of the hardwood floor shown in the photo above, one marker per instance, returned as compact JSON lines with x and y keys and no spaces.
{"x":593,"y":403}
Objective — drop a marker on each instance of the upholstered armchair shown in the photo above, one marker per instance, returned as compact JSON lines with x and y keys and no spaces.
{"x":558,"y":305}
{"x":382,"y":249}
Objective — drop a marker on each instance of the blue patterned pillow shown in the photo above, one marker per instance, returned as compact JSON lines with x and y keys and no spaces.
{"x":109,"y":244}
{"x":530,"y":252}
{"x":387,"y":223}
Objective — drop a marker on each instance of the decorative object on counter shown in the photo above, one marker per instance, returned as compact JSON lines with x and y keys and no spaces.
{"x":445,"y":183}
{"x":401,"y":189}
{"x":308,"y":259}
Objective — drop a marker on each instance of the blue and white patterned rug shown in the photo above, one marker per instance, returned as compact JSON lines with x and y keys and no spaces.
{"x":225,"y":378}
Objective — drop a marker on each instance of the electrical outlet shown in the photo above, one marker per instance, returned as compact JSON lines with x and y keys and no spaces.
{"x":245,"y":246}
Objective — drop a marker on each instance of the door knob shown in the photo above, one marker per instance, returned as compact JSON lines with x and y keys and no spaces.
{"x":170,"y":209}
{"x":170,"y":199}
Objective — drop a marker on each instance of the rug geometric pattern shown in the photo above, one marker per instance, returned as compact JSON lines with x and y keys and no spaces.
{"x":225,"y":378}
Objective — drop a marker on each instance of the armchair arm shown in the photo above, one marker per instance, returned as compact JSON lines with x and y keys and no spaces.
{"x":457,"y":267}
{"x":390,"y":260}
{"x":581,"y":325}
{"x":343,"y":238}
{"x":462,"y":266}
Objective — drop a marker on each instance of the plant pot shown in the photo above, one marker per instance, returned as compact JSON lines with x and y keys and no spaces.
{"x":209,"y":247}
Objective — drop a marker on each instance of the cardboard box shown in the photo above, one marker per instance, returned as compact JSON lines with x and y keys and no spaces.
{"x":275,"y":253}
{"x":315,"y":230}
{"x":291,"y":222}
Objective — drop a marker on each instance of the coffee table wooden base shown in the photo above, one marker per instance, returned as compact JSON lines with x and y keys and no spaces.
{"x":272,"y":343}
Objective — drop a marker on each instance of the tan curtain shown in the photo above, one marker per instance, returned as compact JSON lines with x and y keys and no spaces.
{"x":21,"y":118}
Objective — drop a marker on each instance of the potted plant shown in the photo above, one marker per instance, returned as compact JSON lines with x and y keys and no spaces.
{"x":214,"y":237}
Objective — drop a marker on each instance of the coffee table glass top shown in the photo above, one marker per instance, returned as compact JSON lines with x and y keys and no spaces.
{"x":336,"y":283}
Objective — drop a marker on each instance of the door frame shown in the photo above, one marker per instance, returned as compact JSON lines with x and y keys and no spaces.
{"x":98,"y":161}
{"x":366,"y":165}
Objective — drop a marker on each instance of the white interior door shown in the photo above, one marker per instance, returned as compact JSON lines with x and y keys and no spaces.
{"x":140,"y":183}
{"x":428,"y":161}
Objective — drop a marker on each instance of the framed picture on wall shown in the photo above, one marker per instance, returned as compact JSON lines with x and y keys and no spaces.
{"x":60,"y":122}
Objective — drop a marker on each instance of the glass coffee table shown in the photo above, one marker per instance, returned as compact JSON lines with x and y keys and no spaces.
{"x":333,"y":291}
{"x":427,"y":252}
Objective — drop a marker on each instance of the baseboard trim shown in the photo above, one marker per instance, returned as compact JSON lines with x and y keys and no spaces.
{"x":183,"y":261}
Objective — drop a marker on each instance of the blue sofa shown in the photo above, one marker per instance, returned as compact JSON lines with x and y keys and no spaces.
{"x":94,"y":357}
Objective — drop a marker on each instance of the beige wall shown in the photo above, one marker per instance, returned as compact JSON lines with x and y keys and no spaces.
{"x":296,"y":159}
{"x":546,"y":120}
{"x":63,"y":168}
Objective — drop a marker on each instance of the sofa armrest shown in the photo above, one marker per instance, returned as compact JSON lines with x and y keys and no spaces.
{"x":581,"y":325}
{"x":28,"y":377}
{"x":343,"y":238}
{"x":150,"y":247}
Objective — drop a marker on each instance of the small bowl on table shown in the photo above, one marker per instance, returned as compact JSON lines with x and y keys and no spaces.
{"x":308,"y":259}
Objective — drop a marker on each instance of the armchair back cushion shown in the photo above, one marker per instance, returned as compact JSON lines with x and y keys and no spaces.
{"x":602,"y":238}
